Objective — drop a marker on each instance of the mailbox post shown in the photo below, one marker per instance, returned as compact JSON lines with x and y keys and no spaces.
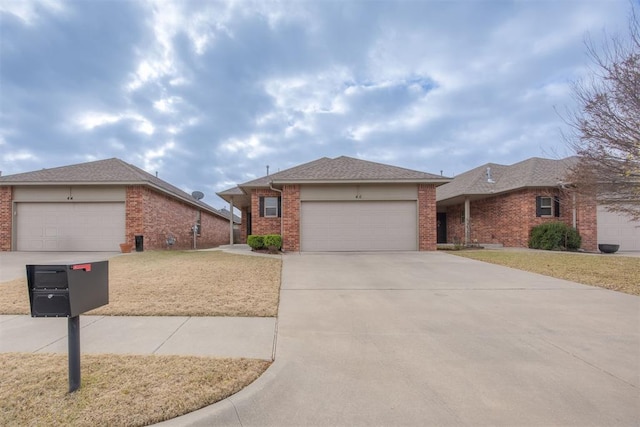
{"x":68,"y":290}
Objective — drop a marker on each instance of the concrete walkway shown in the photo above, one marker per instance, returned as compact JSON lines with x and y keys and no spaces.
{"x":435,"y":339}
{"x":252,"y":337}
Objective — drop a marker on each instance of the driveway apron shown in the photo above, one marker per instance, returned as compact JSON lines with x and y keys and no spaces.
{"x":435,"y":339}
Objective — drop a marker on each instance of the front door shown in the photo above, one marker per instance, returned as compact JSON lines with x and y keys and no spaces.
{"x":248,"y":223}
{"x":442,"y":227}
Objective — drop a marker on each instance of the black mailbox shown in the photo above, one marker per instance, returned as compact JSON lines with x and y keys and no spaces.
{"x":67,"y":290}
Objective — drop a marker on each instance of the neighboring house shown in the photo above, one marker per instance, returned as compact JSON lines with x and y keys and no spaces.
{"x":498,"y":204}
{"x":96,"y":206}
{"x":341,"y":204}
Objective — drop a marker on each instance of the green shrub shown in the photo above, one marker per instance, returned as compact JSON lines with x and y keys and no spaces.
{"x":255,"y":242}
{"x":554,"y":236}
{"x":274,"y":240}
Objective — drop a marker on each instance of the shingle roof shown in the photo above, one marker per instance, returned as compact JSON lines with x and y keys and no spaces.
{"x":101,"y":172}
{"x":344,"y":169}
{"x":533,"y":172}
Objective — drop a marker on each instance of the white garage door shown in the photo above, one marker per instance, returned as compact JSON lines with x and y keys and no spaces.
{"x":617,"y":229}
{"x":358,"y":226}
{"x":70,"y":226}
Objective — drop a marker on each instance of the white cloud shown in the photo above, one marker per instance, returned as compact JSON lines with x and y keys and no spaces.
{"x":253,"y":146}
{"x":167,"y":104}
{"x":20,"y":155}
{"x":27,"y":10}
{"x":153,"y":159}
{"x":92,"y":120}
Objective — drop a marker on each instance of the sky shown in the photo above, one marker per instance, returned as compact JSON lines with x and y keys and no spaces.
{"x":209,"y":93}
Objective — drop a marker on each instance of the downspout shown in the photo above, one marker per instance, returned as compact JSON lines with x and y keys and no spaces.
{"x":467,"y":221}
{"x":574,"y":212}
{"x":281,"y":213}
{"x":231,"y":221}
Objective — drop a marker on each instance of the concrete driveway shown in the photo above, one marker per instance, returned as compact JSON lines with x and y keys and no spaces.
{"x":435,"y":339}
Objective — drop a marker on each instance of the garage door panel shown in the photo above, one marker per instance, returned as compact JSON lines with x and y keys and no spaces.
{"x":358,"y":226}
{"x":70,"y":226}
{"x":618,"y":229}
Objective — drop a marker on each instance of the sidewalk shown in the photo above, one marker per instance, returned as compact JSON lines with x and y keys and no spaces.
{"x":250,"y":337}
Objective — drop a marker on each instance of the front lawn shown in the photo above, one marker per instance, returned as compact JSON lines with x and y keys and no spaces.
{"x":178,"y":283}
{"x":618,"y":273}
{"x":141,"y":390}
{"x":116,"y":390}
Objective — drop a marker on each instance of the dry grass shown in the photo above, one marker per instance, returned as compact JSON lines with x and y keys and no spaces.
{"x":617,"y":273}
{"x":178,"y":283}
{"x":116,"y":390}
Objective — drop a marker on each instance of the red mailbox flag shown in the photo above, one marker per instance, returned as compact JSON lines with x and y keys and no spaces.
{"x":85,"y":267}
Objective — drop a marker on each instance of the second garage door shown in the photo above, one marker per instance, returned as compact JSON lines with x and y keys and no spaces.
{"x":70,"y":226}
{"x":618,"y":229}
{"x":359,"y":226}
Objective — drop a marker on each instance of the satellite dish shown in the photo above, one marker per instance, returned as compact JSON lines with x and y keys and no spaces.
{"x":198,"y":195}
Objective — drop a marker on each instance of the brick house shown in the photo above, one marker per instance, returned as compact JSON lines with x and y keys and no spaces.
{"x":96,"y":206}
{"x":341,"y":204}
{"x":498,"y":204}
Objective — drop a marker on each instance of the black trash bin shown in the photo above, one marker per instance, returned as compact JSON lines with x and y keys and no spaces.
{"x":139,"y":243}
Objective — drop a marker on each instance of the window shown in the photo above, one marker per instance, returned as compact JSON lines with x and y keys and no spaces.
{"x":547,"y":206}
{"x":270,"y":207}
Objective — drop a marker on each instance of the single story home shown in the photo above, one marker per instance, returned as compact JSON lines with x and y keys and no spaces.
{"x":96,"y":206}
{"x":499,"y":204}
{"x":341,"y":204}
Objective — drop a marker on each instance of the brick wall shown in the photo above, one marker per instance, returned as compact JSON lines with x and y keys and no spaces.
{"x":134,"y":213}
{"x":427,"y":233}
{"x":156,"y":216}
{"x":587,"y":221}
{"x":262,"y":225}
{"x":507,"y":219}
{"x":291,"y":218}
{"x":245,"y":212}
{"x":6,"y":216}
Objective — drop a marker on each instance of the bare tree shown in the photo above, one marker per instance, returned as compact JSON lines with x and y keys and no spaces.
{"x":605,"y":131}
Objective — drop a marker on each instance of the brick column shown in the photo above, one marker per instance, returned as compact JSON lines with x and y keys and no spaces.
{"x":587,"y":221}
{"x":6,"y":217}
{"x":427,"y":230}
{"x":134,"y":213}
{"x":291,"y":218}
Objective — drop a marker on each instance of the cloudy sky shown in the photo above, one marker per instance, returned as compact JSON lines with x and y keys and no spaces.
{"x":208,"y":93}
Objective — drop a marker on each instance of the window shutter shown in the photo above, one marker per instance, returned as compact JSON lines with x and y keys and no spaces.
{"x":279,"y":206}
{"x":556,"y":206}
{"x":261,"y":206}
{"x":538,"y":205}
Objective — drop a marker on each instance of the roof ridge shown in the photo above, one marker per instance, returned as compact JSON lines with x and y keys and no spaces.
{"x":379,"y":164}
{"x":282,"y":172}
{"x":141,"y":172}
